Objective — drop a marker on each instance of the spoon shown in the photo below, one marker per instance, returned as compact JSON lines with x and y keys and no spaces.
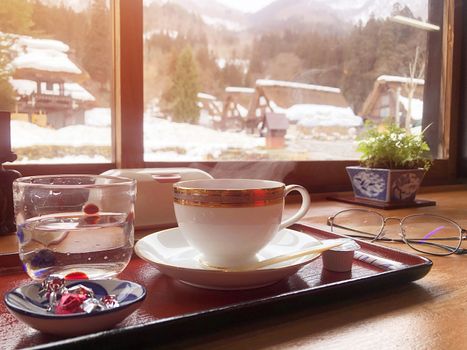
{"x":325,"y":245}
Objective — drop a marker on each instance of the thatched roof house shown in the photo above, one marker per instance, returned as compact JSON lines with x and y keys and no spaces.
{"x":307,"y":104}
{"x":392,"y":97}
{"x":236,"y":102}
{"x":48,"y":82}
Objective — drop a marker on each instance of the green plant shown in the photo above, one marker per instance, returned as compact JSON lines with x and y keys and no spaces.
{"x":392,"y":147}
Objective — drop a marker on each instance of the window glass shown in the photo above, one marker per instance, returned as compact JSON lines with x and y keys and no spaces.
{"x":55,"y":79}
{"x":259,"y":80}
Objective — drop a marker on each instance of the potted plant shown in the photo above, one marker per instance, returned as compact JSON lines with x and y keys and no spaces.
{"x":393,"y":164}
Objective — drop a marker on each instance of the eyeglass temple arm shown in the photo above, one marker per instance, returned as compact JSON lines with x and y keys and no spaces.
{"x":453,"y":250}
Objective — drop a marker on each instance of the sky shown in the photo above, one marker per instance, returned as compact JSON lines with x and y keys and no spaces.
{"x":245,"y":5}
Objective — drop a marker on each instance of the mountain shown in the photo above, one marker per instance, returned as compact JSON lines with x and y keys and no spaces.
{"x":325,"y":14}
{"x":212,"y":12}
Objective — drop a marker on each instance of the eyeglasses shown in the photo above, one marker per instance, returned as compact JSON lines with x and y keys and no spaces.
{"x":425,"y":233}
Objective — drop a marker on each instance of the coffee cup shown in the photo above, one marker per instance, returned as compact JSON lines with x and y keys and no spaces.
{"x":230,"y":220}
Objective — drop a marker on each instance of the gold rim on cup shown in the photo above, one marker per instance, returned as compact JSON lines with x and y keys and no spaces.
{"x":215,"y":198}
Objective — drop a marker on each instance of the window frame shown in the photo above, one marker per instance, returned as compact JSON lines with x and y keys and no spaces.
{"x":316,"y":176}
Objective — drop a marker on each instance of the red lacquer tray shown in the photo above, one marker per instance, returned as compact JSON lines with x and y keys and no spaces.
{"x":173,"y":309}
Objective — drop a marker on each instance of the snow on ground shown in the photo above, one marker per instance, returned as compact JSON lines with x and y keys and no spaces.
{"x":98,"y":117}
{"x":168,"y":141}
{"x":24,"y":134}
{"x":162,"y":138}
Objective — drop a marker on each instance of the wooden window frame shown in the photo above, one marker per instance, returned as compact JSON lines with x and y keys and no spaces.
{"x":316,"y":176}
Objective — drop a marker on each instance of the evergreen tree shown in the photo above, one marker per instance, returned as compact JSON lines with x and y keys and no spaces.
{"x":184,"y":89}
{"x":15,"y":16}
{"x":62,"y":23}
{"x":97,"y":51}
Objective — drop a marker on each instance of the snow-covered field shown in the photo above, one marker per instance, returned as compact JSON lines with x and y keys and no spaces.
{"x":168,"y":141}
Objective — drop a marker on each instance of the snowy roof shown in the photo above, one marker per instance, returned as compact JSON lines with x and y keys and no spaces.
{"x":311,"y":115}
{"x":75,"y":90}
{"x":42,"y":54}
{"x":245,"y":90}
{"x":78,"y":92}
{"x":205,"y":96}
{"x":396,"y":79}
{"x":276,"y":121}
{"x":295,"y":85}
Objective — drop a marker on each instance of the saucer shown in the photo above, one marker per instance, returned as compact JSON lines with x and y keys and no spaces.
{"x":171,"y":254}
{"x":28,"y":306}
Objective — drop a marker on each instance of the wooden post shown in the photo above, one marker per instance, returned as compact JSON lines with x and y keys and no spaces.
{"x":128,"y":91}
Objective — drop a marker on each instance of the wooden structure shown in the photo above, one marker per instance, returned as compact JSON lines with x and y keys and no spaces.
{"x":47,"y":83}
{"x":212,"y":106}
{"x":235,"y":109}
{"x":277,"y":96}
{"x":393,"y":98}
{"x":274,"y":129}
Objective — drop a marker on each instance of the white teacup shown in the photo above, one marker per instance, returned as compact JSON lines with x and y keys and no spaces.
{"x":229,"y":220}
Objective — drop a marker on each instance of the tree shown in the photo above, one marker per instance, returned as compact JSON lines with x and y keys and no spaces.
{"x":284,"y":66}
{"x":7,"y":94}
{"x":15,"y":18}
{"x":97,"y":50}
{"x":416,"y":71}
{"x":184,"y":89}
{"x":232,"y":75}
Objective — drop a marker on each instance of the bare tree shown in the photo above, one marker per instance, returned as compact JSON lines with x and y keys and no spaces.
{"x":416,"y":71}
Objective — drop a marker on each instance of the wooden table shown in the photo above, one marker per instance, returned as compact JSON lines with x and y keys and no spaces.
{"x":430,"y":313}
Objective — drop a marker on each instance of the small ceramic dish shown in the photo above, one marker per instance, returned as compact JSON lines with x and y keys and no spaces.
{"x":340,"y":259}
{"x":28,"y":306}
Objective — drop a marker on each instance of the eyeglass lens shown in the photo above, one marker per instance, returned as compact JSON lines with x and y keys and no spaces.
{"x":431,"y":234}
{"x":358,"y":222}
{"x":425,"y":233}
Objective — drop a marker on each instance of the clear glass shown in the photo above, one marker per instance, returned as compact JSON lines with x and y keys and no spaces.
{"x":361,"y":222}
{"x":55,"y":79}
{"x":74,"y":226}
{"x":425,"y":233}
{"x":241,"y":80}
{"x":430,"y":234}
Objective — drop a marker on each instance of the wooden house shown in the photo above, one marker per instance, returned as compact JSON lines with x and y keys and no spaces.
{"x":235,"y":109}
{"x":48,"y":84}
{"x":278,"y":96}
{"x":210,"y":107}
{"x":393,"y":98}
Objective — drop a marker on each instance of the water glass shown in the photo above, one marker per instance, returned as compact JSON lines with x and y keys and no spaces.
{"x":74,"y":226}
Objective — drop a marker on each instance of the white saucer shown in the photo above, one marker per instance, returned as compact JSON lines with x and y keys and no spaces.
{"x":172,"y":255}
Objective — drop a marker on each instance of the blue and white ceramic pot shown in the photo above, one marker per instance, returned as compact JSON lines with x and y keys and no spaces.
{"x":385,"y":185}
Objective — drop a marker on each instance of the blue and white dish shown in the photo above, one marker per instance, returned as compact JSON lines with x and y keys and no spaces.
{"x":28,"y":306}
